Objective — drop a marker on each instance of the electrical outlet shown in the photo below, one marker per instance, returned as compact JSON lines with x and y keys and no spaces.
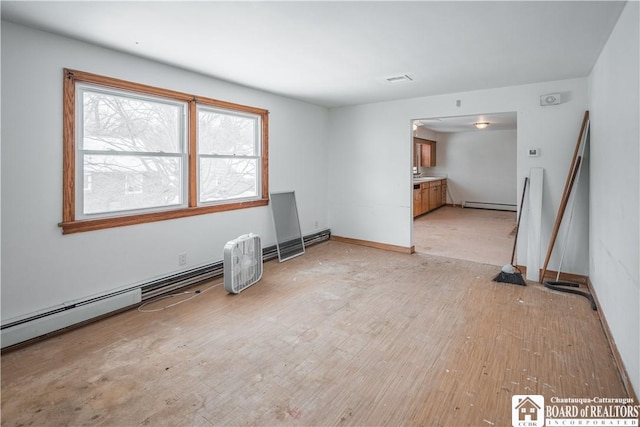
{"x":182,"y":258}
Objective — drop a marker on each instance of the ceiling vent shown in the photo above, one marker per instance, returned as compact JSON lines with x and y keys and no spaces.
{"x":401,"y":78}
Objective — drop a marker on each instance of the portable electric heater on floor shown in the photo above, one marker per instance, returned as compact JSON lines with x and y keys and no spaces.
{"x":242,"y":263}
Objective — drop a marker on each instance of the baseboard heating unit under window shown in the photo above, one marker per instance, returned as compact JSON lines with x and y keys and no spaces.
{"x":489,"y":205}
{"x":65,"y":316}
{"x":69,"y":314}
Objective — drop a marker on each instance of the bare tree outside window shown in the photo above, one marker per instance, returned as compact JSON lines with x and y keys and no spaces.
{"x":229,"y":153}
{"x":132,"y":148}
{"x":135,"y":153}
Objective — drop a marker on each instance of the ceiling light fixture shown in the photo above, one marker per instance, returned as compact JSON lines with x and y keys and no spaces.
{"x":481,"y":125}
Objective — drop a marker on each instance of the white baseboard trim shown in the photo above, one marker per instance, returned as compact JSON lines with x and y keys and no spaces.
{"x":489,"y":205}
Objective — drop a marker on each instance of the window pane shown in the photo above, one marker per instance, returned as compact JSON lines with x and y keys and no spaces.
{"x":226,"y":134}
{"x":120,"y":183}
{"x":113,"y":122}
{"x":222,"y":179}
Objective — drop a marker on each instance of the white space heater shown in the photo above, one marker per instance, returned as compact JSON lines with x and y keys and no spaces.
{"x":242,"y":263}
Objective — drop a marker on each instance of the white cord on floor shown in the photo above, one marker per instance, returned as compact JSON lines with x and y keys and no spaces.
{"x":195,"y":294}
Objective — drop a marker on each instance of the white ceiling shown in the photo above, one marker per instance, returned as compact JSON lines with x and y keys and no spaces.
{"x":336,"y":53}
{"x":497,"y":121}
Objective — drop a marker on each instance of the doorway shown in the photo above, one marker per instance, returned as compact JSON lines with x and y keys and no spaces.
{"x":479,"y":163}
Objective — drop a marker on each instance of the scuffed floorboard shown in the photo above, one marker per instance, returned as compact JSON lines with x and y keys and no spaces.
{"x":343,"y":335}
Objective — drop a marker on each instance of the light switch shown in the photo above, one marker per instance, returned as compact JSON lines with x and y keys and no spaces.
{"x":533,"y":152}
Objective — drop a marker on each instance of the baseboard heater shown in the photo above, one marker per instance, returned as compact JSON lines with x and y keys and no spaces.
{"x":489,"y":205}
{"x":216,"y":269}
{"x":65,"y":316}
{"x":15,"y":332}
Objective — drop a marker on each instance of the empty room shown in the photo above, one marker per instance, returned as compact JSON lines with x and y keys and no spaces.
{"x":210,"y":213}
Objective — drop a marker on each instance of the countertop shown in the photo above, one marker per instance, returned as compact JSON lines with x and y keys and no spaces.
{"x":428,"y":179}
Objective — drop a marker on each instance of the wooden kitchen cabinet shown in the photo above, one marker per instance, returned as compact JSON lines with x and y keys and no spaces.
{"x":428,"y":196}
{"x":428,"y":154}
{"x":435,"y":195}
{"x":425,"y":152}
{"x":417,"y":200}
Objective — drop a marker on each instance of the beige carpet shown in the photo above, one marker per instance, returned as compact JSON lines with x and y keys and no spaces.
{"x":479,"y":235}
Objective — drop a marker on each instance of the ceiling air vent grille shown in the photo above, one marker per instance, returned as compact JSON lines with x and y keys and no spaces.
{"x":399,"y":78}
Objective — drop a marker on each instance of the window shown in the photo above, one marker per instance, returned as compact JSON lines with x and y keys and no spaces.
{"x":228,"y":155}
{"x":136,"y":154}
{"x":134,"y":149}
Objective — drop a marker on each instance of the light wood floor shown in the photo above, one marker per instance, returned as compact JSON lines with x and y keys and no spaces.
{"x":343,"y":335}
{"x":479,"y":235}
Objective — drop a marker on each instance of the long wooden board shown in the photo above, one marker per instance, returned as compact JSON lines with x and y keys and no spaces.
{"x":571,"y":177}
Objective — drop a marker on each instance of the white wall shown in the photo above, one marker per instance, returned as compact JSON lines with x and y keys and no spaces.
{"x":480,"y":166}
{"x":41,"y":267}
{"x":614,"y":186}
{"x":377,"y":206}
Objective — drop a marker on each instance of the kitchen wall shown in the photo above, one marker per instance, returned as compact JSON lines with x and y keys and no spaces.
{"x":379,"y":136}
{"x":44,"y":269}
{"x":614,"y":229}
{"x":480,"y":166}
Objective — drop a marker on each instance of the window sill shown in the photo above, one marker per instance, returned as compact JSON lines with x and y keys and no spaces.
{"x":81,"y":226}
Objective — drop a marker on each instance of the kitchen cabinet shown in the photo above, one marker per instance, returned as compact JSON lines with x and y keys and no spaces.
{"x":417,"y":200}
{"x":435,"y":195}
{"x":428,"y":196}
{"x":428,"y":154}
{"x":424,"y":152}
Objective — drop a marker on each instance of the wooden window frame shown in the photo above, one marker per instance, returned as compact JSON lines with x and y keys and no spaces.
{"x":69,"y":222}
